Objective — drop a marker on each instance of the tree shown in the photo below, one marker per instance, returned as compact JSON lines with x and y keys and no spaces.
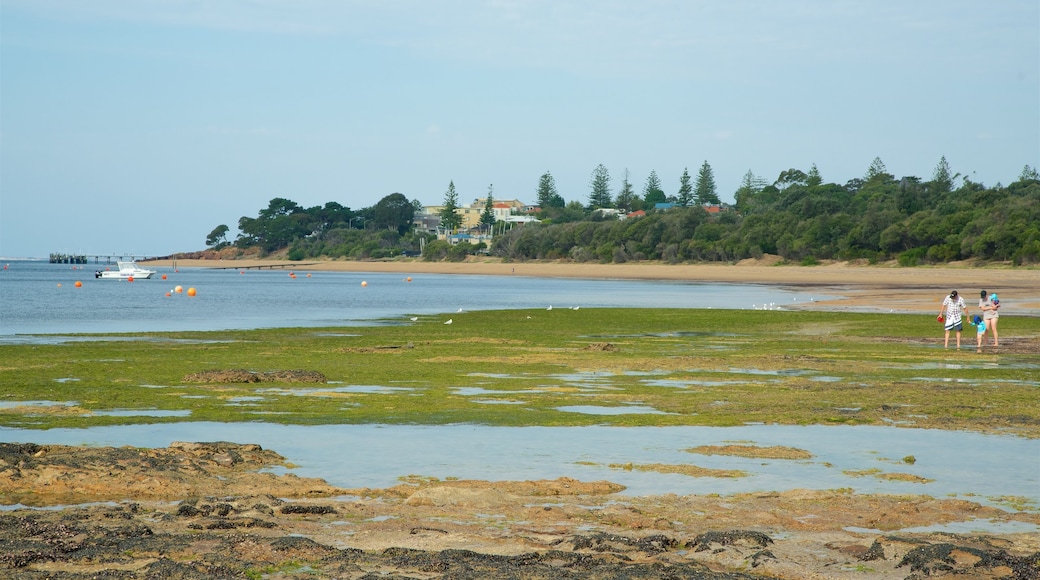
{"x":600,"y":185}
{"x":705,"y":191}
{"x":279,"y":206}
{"x":331,"y":216}
{"x":218,"y":237}
{"x":394,"y":212}
{"x":487,"y":217}
{"x":685,"y":195}
{"x":813,"y":178}
{"x":790,"y":177}
{"x":450,"y":219}
{"x":1029,"y":173}
{"x":942,"y":178}
{"x":746,"y":195}
{"x":627,"y":199}
{"x":877,"y":168}
{"x":547,"y":195}
{"x":276,"y":226}
{"x":652,"y":192}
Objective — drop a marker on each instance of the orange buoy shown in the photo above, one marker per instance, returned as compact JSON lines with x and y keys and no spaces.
{"x":308,"y":274}
{"x":363,"y":283}
{"x":178,"y":289}
{"x":241,"y":271}
{"x":164,"y":276}
{"x":79,"y":284}
{"x":191,"y":291}
{"x":129,"y":278}
{"x":409,"y":279}
{"x":167,"y":294}
{"x":59,"y":284}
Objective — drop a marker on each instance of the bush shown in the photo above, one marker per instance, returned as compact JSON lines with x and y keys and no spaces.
{"x":912,"y":257}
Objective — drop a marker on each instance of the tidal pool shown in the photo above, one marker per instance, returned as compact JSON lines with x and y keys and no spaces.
{"x":962,"y":464}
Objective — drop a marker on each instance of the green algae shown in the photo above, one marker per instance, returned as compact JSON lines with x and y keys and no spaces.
{"x":691,"y":367}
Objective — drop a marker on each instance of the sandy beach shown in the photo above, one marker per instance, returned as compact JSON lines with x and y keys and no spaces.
{"x":862,"y":287}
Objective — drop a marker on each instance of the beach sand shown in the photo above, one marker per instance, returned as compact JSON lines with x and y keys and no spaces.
{"x":861,"y":287}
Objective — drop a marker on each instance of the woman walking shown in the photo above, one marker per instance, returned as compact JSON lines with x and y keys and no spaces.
{"x":954,"y":307}
{"x":990,"y":314}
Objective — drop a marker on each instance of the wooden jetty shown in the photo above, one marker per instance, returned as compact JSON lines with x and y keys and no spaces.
{"x":63,"y":258}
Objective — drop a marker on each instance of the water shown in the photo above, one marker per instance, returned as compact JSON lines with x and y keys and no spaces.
{"x":38,"y":298}
{"x":974,"y":466}
{"x":41,"y":298}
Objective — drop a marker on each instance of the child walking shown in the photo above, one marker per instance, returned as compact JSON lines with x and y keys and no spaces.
{"x":980,"y":325}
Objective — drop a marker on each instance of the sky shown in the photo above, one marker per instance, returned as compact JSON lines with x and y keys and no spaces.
{"x":139,"y":126}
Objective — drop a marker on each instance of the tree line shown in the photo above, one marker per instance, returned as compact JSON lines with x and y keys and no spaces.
{"x":797,"y":216}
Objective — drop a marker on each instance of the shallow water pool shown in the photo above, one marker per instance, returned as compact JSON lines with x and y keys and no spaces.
{"x":956,"y":464}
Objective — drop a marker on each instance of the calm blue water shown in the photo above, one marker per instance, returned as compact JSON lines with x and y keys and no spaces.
{"x":41,"y":298}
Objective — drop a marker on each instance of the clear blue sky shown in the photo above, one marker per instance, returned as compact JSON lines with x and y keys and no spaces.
{"x":139,"y":126}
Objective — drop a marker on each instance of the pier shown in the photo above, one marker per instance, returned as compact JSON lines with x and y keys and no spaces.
{"x":63,"y":258}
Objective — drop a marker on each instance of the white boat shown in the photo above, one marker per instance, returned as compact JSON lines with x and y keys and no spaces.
{"x":126,"y":271}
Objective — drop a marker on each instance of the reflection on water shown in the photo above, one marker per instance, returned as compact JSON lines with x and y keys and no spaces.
{"x":969,"y":465}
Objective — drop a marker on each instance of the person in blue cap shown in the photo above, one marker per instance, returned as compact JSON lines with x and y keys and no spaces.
{"x":980,"y":326}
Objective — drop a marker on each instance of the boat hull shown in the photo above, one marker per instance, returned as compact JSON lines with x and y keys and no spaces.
{"x":126,"y":271}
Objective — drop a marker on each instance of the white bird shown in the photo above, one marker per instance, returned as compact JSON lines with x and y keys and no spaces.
{"x":414,"y":318}
{"x":459,"y":310}
{"x":576,"y":307}
{"x":550,"y":307}
{"x":448,"y":322}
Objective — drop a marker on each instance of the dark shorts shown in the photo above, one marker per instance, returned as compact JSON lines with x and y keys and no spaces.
{"x":958,"y":327}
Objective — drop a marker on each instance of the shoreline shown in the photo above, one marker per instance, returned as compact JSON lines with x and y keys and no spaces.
{"x":862,"y":287}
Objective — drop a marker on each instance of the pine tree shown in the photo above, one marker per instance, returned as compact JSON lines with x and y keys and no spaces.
{"x":450,"y":219}
{"x":547,"y":196}
{"x":685,"y":195}
{"x":1028,"y":173}
{"x":600,"y":186}
{"x":652,"y":192}
{"x":705,"y":192}
{"x":942,"y":177}
{"x":487,"y":217}
{"x":627,"y":199}
{"x":877,"y":167}
{"x":813,"y":179}
{"x":750,"y":186}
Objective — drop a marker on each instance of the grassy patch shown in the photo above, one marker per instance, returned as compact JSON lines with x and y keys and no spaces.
{"x":519,"y":367}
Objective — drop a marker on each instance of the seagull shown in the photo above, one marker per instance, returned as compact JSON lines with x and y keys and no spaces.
{"x":550,"y":307}
{"x":414,"y":318}
{"x":448,"y":322}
